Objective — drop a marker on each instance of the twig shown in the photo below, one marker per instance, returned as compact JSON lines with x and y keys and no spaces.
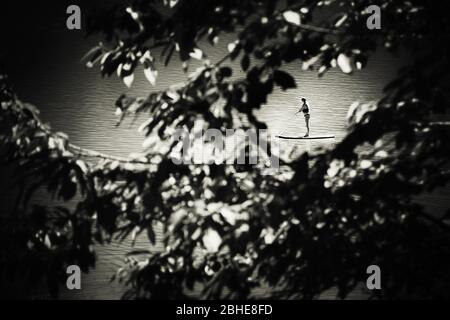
{"x":431,"y":123}
{"x":318,"y":29}
{"x":440,"y":123}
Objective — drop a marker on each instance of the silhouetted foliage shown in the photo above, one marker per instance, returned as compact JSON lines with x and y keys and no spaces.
{"x":229,"y":229}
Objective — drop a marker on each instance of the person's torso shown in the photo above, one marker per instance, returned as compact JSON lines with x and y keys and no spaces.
{"x":305,"y":108}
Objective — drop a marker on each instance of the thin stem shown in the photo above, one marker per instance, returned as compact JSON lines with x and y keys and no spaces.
{"x":431,"y":123}
{"x":440,"y":123}
{"x":318,"y":29}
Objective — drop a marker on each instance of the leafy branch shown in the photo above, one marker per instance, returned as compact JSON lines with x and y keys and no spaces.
{"x":231,"y":229}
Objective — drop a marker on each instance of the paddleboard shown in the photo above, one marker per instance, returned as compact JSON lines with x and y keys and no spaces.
{"x":307,"y":138}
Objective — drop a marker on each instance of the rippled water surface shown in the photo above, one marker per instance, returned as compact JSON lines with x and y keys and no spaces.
{"x":77,"y":101}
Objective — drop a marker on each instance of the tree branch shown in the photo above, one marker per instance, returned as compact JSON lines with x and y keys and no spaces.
{"x":436,"y":221}
{"x":88,"y":152}
{"x":84,"y":152}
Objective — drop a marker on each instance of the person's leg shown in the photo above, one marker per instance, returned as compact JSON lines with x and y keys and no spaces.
{"x":307,"y":124}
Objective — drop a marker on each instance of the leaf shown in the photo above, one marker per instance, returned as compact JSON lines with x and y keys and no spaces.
{"x":173,"y":95}
{"x":32,"y":108}
{"x":151,"y":141}
{"x":212,"y":240}
{"x":96,"y":56}
{"x":92,"y":52}
{"x":229,"y":215}
{"x":146,"y":59}
{"x":82,"y":165}
{"x":52,"y":143}
{"x":292,"y":17}
{"x":352,"y":109}
{"x":151,"y":235}
{"x":196,"y":54}
{"x":225,"y":72}
{"x":381,"y":154}
{"x":171,"y":3}
{"x":345,"y":63}
{"x":47,"y":241}
{"x":170,"y":54}
{"x":365,"y":164}
{"x":245,"y":62}
{"x":322,"y":70}
{"x":105,"y":57}
{"x":234,"y":48}
{"x":138,"y":252}
{"x":269,"y":236}
{"x":284,"y":80}
{"x":308,"y":64}
{"x":110,"y":62}
{"x":213,"y":38}
{"x":134,"y":15}
{"x":361,"y":61}
{"x":341,"y":21}
{"x":128,"y":80}
{"x":151,"y":75}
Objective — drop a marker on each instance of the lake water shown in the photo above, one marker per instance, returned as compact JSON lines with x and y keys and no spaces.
{"x":77,"y":101}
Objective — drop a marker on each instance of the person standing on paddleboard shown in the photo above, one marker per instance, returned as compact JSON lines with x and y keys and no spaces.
{"x":305,"y":108}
